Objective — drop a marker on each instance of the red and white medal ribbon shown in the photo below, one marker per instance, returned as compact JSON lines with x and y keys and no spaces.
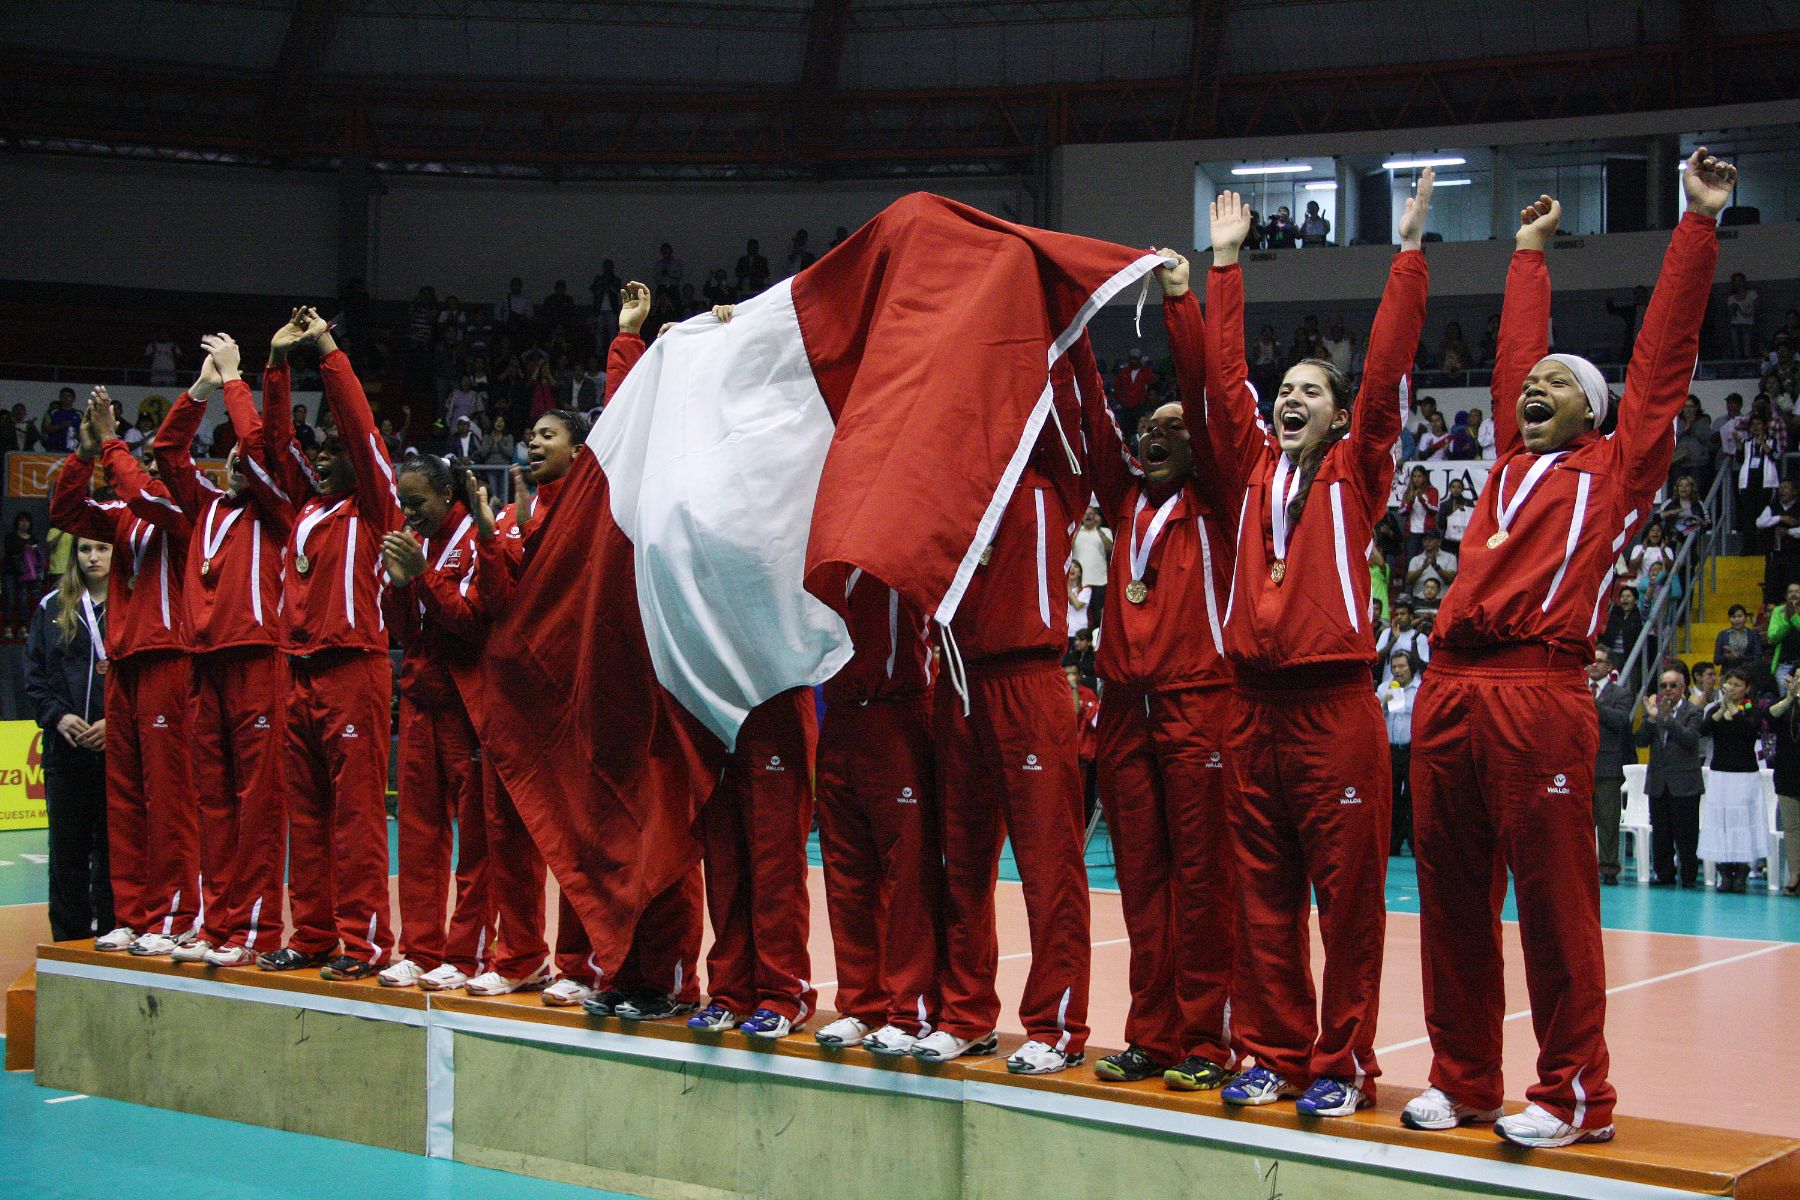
{"x":1505,"y":510}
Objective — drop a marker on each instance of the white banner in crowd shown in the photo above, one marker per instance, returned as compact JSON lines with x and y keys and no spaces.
{"x":1473,"y":472}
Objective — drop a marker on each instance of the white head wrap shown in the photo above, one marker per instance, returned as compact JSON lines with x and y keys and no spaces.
{"x":1593,"y":384}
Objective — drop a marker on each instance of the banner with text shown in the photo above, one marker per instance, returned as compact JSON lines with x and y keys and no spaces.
{"x":21,"y":776}
{"x":1473,"y":473}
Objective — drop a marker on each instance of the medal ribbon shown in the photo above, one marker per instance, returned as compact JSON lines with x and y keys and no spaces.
{"x":1505,"y":511}
{"x":306,"y":526}
{"x":93,"y":624}
{"x":1140,"y":556}
{"x":209,"y":544}
{"x":1287,"y":483}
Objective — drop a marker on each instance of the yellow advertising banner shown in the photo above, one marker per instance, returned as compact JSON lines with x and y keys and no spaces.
{"x":21,"y":776}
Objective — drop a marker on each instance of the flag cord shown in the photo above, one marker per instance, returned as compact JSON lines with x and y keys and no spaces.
{"x":1056,"y":420}
{"x":1137,"y":319}
{"x":953,"y":665}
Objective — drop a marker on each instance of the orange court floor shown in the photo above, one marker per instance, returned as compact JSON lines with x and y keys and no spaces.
{"x":1680,"y":1006}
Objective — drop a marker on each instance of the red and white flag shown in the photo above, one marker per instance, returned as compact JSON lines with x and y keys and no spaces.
{"x":872,"y":413}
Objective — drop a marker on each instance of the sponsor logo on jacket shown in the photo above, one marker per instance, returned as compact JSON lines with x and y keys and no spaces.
{"x":1350,"y":797}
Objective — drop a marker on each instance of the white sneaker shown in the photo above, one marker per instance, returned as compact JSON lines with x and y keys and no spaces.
{"x":565,"y":993}
{"x":842,"y":1033}
{"x":442,"y":979}
{"x":1040,"y":1058}
{"x":890,"y":1040}
{"x":195,"y":951}
{"x":119,"y":939}
{"x":942,"y":1047}
{"x":1432,"y":1110}
{"x":152,"y":945}
{"x":492,"y":983}
{"x":230,"y":956}
{"x":1542,"y":1129}
{"x":404,"y":973}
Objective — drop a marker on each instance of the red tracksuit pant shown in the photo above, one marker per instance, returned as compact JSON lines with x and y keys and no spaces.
{"x":152,"y":817}
{"x":1311,"y":755}
{"x":884,"y":875}
{"x":1166,"y":786}
{"x":237,"y":714}
{"x":440,"y":786}
{"x":337,"y":763}
{"x":753,"y":834}
{"x":516,"y":886}
{"x":1010,"y":765}
{"x":1503,"y":775}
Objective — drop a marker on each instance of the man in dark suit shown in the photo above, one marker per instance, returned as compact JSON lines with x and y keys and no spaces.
{"x":1615,"y":702}
{"x":1674,"y":781}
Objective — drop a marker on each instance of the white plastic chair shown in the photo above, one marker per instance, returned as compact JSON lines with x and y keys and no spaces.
{"x":1777,"y":868}
{"x":1634,"y":818}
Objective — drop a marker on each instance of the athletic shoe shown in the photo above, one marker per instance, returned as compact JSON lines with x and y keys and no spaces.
{"x":890,"y":1041}
{"x":942,"y":1047}
{"x":442,"y":979}
{"x":289,"y":959}
{"x":714,"y":1018}
{"x":649,"y":1005}
{"x":1128,"y":1066}
{"x":1041,"y":1058}
{"x":1544,"y":1130}
{"x":405,"y":973}
{"x":345,"y":969}
{"x":842,"y":1034}
{"x":230,"y":956}
{"x":119,"y":939}
{"x":1258,"y":1085}
{"x":566,"y":993}
{"x":1332,"y":1097}
{"x":766,"y":1023}
{"x":195,"y":951}
{"x":492,"y":983}
{"x":1196,"y":1074}
{"x":153,"y":945}
{"x":1432,"y":1110}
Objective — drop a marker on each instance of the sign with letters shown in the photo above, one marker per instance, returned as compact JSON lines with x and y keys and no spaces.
{"x":22,"y":775}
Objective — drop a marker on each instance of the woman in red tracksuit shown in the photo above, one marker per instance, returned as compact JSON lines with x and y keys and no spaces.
{"x":152,"y":817}
{"x":237,"y":708}
{"x":341,"y":684}
{"x":878,"y":828}
{"x":1308,"y":741}
{"x":430,"y":567}
{"x":1504,"y":730}
{"x":1165,"y":765}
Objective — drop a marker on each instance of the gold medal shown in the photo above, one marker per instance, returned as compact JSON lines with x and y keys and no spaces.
{"x":987,"y":554}
{"x":1278,"y":572}
{"x":205,"y":567}
{"x":1137,"y":591}
{"x":302,"y":563}
{"x":1494,"y":542}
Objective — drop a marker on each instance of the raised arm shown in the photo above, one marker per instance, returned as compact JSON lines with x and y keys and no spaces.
{"x":1393,"y":343}
{"x":376,"y":499}
{"x":1524,"y":337}
{"x":147,"y":499}
{"x":1187,"y":345}
{"x":1662,"y":361}
{"x":628,"y":344}
{"x":282,"y":452}
{"x":173,"y":447}
{"x":1235,"y":437}
{"x":1111,"y":471}
{"x":273,"y":502}
{"x":75,"y":512}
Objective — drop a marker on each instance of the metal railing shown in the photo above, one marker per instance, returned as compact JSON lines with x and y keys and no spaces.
{"x":1670,"y":617}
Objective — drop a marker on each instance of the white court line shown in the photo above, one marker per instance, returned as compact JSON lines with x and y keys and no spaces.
{"x":1623,"y":987}
{"x":1003,"y":958}
{"x":65,"y":1099}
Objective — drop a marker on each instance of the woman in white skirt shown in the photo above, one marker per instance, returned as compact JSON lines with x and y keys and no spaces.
{"x":1732,"y":822}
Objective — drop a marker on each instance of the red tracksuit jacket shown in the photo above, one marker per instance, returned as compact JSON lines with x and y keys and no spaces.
{"x":1319,"y":611}
{"x":893,"y":647}
{"x":1549,"y":581}
{"x":232,"y":586}
{"x":437,"y":617}
{"x":149,"y":536}
{"x":1176,"y":637}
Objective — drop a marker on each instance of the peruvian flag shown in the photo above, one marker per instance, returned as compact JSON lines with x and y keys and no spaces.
{"x":872,"y":413}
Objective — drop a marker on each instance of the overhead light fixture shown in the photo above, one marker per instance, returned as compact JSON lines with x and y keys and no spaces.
{"x":1409,"y":164}
{"x":1323,"y":185}
{"x":1273,"y":169}
{"x":1454,"y":182}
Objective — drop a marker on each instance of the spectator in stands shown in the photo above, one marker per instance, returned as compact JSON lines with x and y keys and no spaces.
{"x":1780,"y":523}
{"x":1453,"y":352}
{"x":558,"y":307}
{"x":1671,"y":729}
{"x":1431,"y":562}
{"x":465,"y":442}
{"x":1758,"y":476}
{"x":1784,"y":723}
{"x":1657,"y":579}
{"x":1080,"y":600}
{"x":10,"y":437}
{"x":752,"y":270}
{"x":1265,"y":365}
{"x":1490,"y":340}
{"x":24,"y":430}
{"x":1398,"y":693}
{"x":1339,"y":348}
{"x":1693,"y":444}
{"x":1732,"y":429}
{"x":590,"y":389}
{"x":799,"y":256}
{"x":1684,"y":514}
{"x":1425,"y":604}
{"x":1784,"y":366}
{"x":1732,"y":822}
{"x":514,"y":312}
{"x":136,"y":435}
{"x":668,"y":273}
{"x":1379,"y":574}
{"x":22,"y":573}
{"x":1418,"y":511}
{"x":463,"y":403}
{"x":1632,"y":314}
{"x":718,"y":289}
{"x":1422,"y":412}
{"x":1740,"y":305}
{"x":1615,"y":702}
{"x":61,"y":423}
{"x":390,"y":438}
{"x":1705,"y":687}
{"x":1258,"y":237}
{"x":1401,"y":637}
{"x":224,"y":437}
{"x":1740,"y":644}
{"x":1624,"y":622}
{"x":1463,"y":445}
{"x":1083,"y":654}
{"x":1280,"y":233}
{"x":540,"y":385}
{"x":1314,"y":231}
{"x":1092,"y":551}
{"x":1131,"y":386}
{"x":304,"y":434}
{"x":1453,"y":516}
{"x":161,"y":352}
{"x":1653,"y":548}
{"x":1484,"y":433}
{"x":1784,"y":627}
{"x":498,"y":448}
{"x":604,"y":293}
